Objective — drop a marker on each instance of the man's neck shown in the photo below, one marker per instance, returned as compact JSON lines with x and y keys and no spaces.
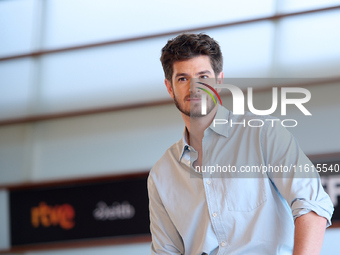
{"x":196,"y":126}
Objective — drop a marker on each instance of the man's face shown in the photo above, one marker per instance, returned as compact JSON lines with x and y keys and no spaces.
{"x":184,"y":90}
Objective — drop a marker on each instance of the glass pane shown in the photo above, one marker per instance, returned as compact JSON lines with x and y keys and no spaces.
{"x":324,"y":122}
{"x":104,"y":144}
{"x":15,"y":90}
{"x":301,"y":5}
{"x":247,"y":49}
{"x":112,"y":75}
{"x":71,"y":22}
{"x":14,"y":154}
{"x":16,"y":25}
{"x":4,"y":220}
{"x":309,"y":45}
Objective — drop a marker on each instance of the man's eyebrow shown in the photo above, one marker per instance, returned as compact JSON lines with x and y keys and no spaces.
{"x":204,"y":72}
{"x":181,"y":74}
{"x":199,"y":73}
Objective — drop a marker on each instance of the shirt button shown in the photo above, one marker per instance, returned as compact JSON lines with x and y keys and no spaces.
{"x":208,"y":182}
{"x":214,"y":214}
{"x":223,"y":244}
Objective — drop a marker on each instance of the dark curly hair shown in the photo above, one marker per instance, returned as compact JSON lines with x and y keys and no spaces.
{"x":186,"y":46}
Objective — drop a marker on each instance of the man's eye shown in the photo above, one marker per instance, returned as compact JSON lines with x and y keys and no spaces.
{"x":182,"y":79}
{"x":204,"y":77}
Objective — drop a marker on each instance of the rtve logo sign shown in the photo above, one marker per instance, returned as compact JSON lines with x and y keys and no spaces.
{"x":48,"y":215}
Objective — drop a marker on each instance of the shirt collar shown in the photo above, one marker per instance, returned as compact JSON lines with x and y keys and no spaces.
{"x":221,"y":114}
{"x":221,"y":129}
{"x":183,"y":143}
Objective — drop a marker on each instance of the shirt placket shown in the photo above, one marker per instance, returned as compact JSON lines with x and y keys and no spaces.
{"x":210,"y":187}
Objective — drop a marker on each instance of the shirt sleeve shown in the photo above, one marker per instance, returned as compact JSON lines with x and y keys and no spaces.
{"x":165,"y":237}
{"x":297,"y":181}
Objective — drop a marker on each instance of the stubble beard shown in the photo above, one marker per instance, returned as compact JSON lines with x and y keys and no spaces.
{"x":195,"y":108}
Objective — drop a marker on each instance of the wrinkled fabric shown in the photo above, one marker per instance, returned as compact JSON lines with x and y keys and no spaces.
{"x":233,"y":213}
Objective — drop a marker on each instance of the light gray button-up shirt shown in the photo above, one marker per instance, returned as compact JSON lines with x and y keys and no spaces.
{"x":239,"y":212}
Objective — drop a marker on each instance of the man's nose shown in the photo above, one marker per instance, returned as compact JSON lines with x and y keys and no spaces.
{"x":194,"y":87}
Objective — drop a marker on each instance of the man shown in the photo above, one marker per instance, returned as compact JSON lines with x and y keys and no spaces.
{"x":193,"y":212}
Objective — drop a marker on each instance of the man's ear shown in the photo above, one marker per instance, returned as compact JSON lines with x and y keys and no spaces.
{"x":169,"y":87}
{"x":219,"y":81}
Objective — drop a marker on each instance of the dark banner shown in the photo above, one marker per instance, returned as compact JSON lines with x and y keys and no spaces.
{"x":82,"y":211}
{"x":330,"y":178}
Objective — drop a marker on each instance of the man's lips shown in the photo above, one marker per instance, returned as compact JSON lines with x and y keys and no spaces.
{"x":194,"y":99}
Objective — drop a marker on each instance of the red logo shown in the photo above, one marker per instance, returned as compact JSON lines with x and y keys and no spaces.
{"x":47,"y":215}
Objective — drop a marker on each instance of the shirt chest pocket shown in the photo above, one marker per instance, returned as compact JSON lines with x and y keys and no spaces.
{"x":244,"y":194}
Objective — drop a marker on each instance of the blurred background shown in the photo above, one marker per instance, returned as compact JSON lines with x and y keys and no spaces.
{"x":82,"y":92}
